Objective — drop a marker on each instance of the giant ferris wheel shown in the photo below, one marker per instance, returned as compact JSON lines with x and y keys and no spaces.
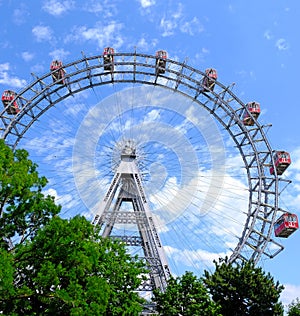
{"x":197,"y":156}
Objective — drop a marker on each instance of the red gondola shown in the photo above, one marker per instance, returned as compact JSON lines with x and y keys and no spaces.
{"x":58,"y":73}
{"x":209,"y":80}
{"x":108,"y":58}
{"x":7,"y":97}
{"x":285,"y":225}
{"x":254,"y":109}
{"x":282,"y":160}
{"x":161,"y":56}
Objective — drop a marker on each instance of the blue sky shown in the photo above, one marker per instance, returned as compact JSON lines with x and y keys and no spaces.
{"x":255,"y":46}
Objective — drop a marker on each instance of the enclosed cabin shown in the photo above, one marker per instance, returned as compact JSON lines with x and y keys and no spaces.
{"x":108,"y":58}
{"x":161,"y":62}
{"x":282,"y":160}
{"x":285,"y":225}
{"x":7,"y":97}
{"x":208,"y":81}
{"x":253,"y":112}
{"x":57,"y":71}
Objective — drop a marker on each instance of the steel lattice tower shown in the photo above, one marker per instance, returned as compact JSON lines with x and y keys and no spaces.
{"x":126,"y":186}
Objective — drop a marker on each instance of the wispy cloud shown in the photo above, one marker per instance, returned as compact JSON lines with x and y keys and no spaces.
{"x":7,"y":79}
{"x":145,"y":44}
{"x":103,"y":35}
{"x":60,"y":54}
{"x":282,"y":44}
{"x":147,"y":3}
{"x":20,"y":15}
{"x":192,"y":27}
{"x":176,"y":21}
{"x":57,"y":8}
{"x":27,"y":56}
{"x":42,"y":33}
{"x":268,"y":35}
{"x":106,"y":8}
{"x":290,"y":293}
{"x":168,"y":26}
{"x":291,"y":194}
{"x":169,"y":23}
{"x":197,"y":259}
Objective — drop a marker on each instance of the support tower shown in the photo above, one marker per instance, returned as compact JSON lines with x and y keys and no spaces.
{"x":125,"y":190}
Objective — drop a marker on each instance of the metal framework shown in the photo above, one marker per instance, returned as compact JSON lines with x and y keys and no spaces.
{"x":88,"y":72}
{"x":126,"y":186}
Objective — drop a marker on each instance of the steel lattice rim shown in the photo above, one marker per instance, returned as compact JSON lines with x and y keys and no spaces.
{"x":221,"y":103}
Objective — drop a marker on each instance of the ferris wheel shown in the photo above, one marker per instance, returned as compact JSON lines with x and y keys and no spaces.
{"x":210,"y":175}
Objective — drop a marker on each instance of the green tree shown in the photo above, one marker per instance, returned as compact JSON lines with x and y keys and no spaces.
{"x":243,"y":289}
{"x":294,"y":308}
{"x":23,"y":206}
{"x":67,"y":269}
{"x":6,"y":275}
{"x":186,"y":296}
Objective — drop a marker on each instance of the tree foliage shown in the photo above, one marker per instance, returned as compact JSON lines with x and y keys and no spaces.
{"x":294,"y":308}
{"x":66,"y":269}
{"x":56,"y":266}
{"x":244,"y":289}
{"x":23,"y":206}
{"x":187,"y":296}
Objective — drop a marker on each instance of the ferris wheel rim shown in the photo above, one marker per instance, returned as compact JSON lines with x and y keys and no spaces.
{"x":186,"y":80}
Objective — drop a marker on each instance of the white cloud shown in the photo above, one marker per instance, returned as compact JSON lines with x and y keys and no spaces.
{"x":291,"y":193}
{"x":27,"y":56}
{"x":51,"y":192}
{"x":200,"y":56}
{"x":147,"y":3}
{"x":104,"y":35}
{"x":106,"y":8}
{"x":94,"y":7}
{"x":42,"y":33}
{"x":193,"y":258}
{"x":66,"y":200}
{"x":290,"y":293}
{"x":153,"y":115}
{"x":268,"y":35}
{"x":169,"y":24}
{"x":282,"y":44}
{"x":145,"y":45}
{"x":76,"y":105}
{"x":7,"y":79}
{"x":59,"y":54}
{"x":295,"y":157}
{"x":142,"y":44}
{"x":175,"y":21}
{"x":4,"y":67}
{"x":168,"y":27}
{"x":57,"y":8}
{"x":20,"y":14}
{"x":191,"y":27}
{"x":178,"y":13}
